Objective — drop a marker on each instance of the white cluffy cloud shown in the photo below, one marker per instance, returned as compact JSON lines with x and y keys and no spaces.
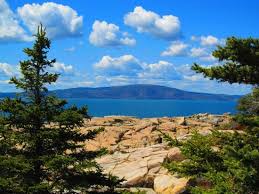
{"x":177,"y":48}
{"x":208,"y":40}
{"x":198,"y":52}
{"x":10,"y":30}
{"x":160,"y":70}
{"x":105,"y":34}
{"x":59,"y":20}
{"x":7,"y":69}
{"x":165,"y":27}
{"x":202,"y":54}
{"x":128,"y":67}
{"x":62,"y":68}
{"x":126,"y":64}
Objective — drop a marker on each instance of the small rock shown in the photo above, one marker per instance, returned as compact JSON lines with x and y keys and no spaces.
{"x":182,"y":130}
{"x":180,"y":120}
{"x":174,"y":154}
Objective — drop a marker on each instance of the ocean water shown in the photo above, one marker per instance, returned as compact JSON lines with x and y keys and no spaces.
{"x":153,"y":108}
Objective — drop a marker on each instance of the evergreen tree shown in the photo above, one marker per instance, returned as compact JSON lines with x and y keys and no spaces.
{"x":226,"y":163}
{"x":41,"y":147}
{"x":240,"y":58}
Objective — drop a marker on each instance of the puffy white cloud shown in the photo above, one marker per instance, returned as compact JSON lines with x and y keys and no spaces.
{"x":188,"y":74}
{"x":160,"y":70}
{"x":177,"y":48}
{"x":128,"y":68}
{"x":10,"y":30}
{"x":198,"y":52}
{"x":62,"y":68}
{"x":209,"y":40}
{"x":123,"y":65}
{"x":6,"y":70}
{"x":165,"y":27}
{"x":105,"y":34}
{"x":202,"y":54}
{"x":59,"y":20}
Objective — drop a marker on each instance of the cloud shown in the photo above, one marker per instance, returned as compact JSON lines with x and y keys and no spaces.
{"x":6,"y":70}
{"x":62,"y":68}
{"x":105,"y":34}
{"x":202,"y":54}
{"x":198,"y":52}
{"x":126,"y":64}
{"x":10,"y":30}
{"x":128,"y":68}
{"x":177,"y":48}
{"x":188,"y":74}
{"x":165,"y":27}
{"x":160,"y":70}
{"x":60,"y":21}
{"x":209,"y":40}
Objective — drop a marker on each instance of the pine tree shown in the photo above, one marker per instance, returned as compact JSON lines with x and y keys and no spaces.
{"x":240,"y":58}
{"x":226,"y":163}
{"x":41,"y":147}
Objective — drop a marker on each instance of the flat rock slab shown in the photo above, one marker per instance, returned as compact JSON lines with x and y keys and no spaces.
{"x":141,"y":166}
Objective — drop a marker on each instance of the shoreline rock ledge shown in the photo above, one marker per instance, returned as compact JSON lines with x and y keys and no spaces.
{"x":137,"y":151}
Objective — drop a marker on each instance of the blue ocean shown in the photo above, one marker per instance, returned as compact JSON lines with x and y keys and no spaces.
{"x":153,"y":108}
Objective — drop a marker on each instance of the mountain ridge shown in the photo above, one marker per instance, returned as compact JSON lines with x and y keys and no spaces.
{"x":138,"y":91}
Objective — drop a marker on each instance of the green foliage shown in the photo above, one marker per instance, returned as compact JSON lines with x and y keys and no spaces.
{"x":41,"y":147}
{"x":227,"y":163}
{"x":171,"y":141}
{"x":249,"y":104}
{"x":220,"y":163}
{"x":240,"y":58}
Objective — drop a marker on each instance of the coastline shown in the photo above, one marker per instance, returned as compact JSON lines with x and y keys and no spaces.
{"x":136,"y":149}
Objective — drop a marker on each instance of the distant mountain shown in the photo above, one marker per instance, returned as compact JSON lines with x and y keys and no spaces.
{"x":136,"y":92}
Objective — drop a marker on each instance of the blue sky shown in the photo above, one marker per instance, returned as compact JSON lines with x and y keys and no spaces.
{"x":114,"y":42}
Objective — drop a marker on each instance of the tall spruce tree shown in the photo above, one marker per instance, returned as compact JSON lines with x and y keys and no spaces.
{"x":41,"y":147}
{"x":227,"y":163}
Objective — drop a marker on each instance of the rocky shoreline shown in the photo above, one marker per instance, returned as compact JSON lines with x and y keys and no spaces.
{"x":137,"y":150}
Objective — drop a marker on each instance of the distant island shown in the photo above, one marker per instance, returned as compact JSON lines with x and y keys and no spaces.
{"x":139,"y":91}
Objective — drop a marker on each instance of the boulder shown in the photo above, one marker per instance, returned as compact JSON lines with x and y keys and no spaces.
{"x":168,"y":184}
{"x":174,"y":154}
